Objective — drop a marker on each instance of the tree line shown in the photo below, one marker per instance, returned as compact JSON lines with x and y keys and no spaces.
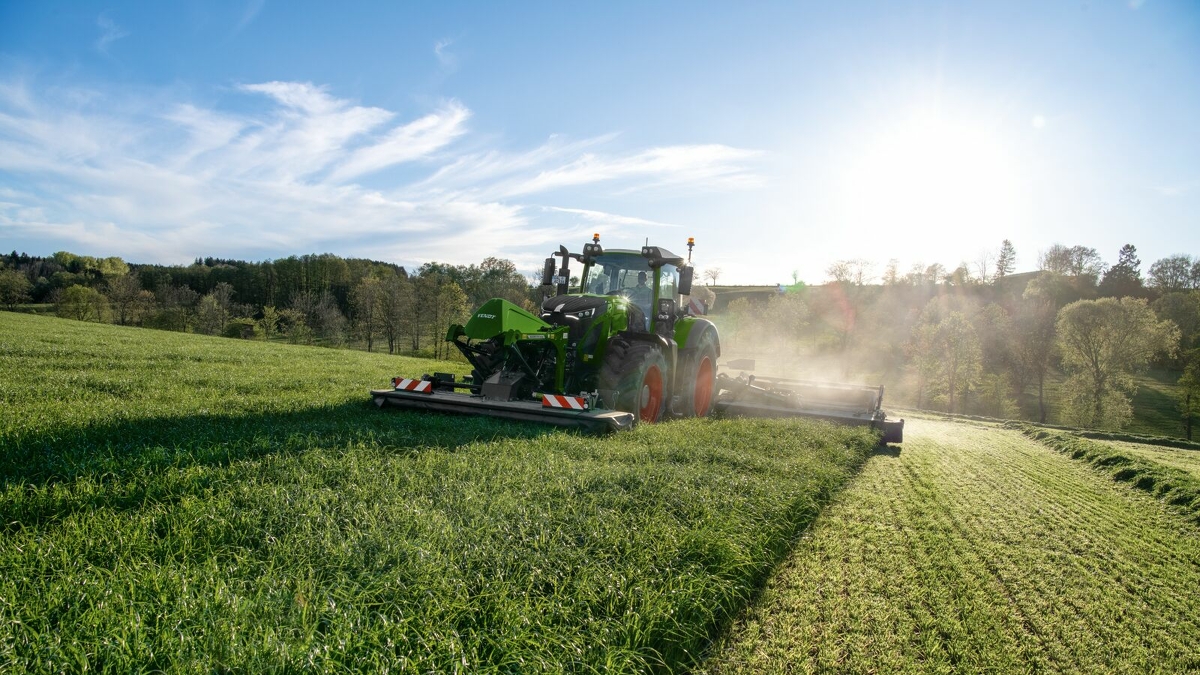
{"x":981,"y":339}
{"x":312,"y":299}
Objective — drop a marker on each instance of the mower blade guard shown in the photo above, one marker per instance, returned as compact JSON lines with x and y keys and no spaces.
{"x":595,"y":421}
{"x":851,"y":404}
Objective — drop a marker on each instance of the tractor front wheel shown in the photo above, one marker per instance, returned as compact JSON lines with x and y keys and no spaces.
{"x":638,"y":372}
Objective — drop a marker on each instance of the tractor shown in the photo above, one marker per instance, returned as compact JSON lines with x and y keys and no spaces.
{"x":622,"y":347}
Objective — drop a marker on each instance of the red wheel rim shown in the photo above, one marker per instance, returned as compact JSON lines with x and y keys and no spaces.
{"x":652,"y":395}
{"x":704,"y":387}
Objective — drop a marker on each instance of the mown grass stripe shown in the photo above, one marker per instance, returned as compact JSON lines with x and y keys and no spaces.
{"x":979,"y":550}
{"x":1176,"y":487}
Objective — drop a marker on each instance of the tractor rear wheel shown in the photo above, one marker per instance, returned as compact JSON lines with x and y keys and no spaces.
{"x":638,"y":372}
{"x":697,"y":379}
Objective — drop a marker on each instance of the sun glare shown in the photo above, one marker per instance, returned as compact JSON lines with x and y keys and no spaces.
{"x":930,"y":176}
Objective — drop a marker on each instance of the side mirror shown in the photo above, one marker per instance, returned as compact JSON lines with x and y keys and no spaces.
{"x":548,"y":272}
{"x":685,"y":280}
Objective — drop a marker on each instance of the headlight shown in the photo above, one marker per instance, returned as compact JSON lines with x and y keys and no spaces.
{"x":584,"y":314}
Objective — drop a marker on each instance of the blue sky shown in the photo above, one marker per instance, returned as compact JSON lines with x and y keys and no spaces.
{"x":783,"y":136}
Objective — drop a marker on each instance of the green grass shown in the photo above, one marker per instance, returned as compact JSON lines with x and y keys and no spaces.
{"x":190,"y":504}
{"x":1176,"y":486}
{"x":976,"y":549}
{"x":1184,"y":460}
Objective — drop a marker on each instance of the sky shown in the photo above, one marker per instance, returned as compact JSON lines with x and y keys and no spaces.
{"x":783,"y":136}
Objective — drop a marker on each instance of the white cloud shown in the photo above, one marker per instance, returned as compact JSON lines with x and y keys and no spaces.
{"x":112,"y":174}
{"x":602,"y":218}
{"x":406,"y":143}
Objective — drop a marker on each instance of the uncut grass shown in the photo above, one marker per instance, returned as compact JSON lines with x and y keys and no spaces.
{"x":190,"y":504}
{"x":979,"y":550}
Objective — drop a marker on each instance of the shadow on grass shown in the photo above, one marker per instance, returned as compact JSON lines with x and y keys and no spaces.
{"x":886,"y":450}
{"x":132,"y":463}
{"x":115,"y":450}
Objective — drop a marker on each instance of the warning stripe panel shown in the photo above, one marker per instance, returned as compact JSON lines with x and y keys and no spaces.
{"x":567,"y":402}
{"x":419,"y":386}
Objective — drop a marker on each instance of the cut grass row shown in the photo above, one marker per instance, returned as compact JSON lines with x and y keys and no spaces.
{"x":1178,"y":487}
{"x":187,"y":504}
{"x":976,"y":549}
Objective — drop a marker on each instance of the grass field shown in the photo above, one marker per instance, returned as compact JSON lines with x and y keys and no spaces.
{"x":189,"y":504}
{"x":1184,"y":460}
{"x":976,"y":549}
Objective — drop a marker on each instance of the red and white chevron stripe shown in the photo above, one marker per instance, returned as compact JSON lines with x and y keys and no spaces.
{"x":567,"y":402}
{"x":419,"y":386}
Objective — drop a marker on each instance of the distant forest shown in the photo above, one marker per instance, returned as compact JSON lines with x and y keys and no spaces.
{"x":977,"y":339}
{"x":311,"y":299}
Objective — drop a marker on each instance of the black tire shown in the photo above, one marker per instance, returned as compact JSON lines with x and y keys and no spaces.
{"x":697,"y":379}
{"x":630,"y":369}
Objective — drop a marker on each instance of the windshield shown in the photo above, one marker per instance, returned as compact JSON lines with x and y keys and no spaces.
{"x":624,"y":272}
{"x":629,"y":275}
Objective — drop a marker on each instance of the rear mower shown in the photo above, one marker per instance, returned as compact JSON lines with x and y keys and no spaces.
{"x":623,"y":348}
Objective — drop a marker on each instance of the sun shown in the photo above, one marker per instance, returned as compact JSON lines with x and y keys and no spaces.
{"x":931,"y":175}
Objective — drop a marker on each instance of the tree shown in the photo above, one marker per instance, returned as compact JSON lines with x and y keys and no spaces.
{"x":1173,"y":274}
{"x":364,"y":300}
{"x":210,"y":316}
{"x":269,"y":323}
{"x":985,"y":266}
{"x":14,"y":288}
{"x":948,"y":355}
{"x":1033,"y":346}
{"x":1182,"y":309}
{"x":855,"y":272}
{"x":123,"y":292}
{"x":1006,"y":262}
{"x":82,"y":304}
{"x":450,"y":306}
{"x":1075,"y":261}
{"x":395,"y":306}
{"x":1104,"y":342}
{"x":711,"y":275}
{"x":1124,"y":278}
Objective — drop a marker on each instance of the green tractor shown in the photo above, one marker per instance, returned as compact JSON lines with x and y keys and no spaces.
{"x":623,"y":348}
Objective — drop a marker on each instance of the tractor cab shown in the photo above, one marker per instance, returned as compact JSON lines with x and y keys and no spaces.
{"x":630,"y":275}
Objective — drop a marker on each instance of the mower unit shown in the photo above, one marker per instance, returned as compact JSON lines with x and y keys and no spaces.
{"x":851,"y":404}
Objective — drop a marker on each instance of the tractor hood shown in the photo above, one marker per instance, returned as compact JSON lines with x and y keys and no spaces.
{"x":498,"y":316}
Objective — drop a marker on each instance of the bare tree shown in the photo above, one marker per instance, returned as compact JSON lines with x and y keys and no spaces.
{"x":983,"y":266}
{"x":1173,"y":273}
{"x":711,"y":275}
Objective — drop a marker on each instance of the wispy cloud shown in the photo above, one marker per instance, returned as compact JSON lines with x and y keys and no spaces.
{"x":253,"y":7}
{"x":445,"y":57}
{"x":1178,"y":189}
{"x":610,"y":219}
{"x":110,"y":32}
{"x":310,"y":171}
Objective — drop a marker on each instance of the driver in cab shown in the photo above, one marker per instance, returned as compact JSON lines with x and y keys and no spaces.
{"x":641,"y":295}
